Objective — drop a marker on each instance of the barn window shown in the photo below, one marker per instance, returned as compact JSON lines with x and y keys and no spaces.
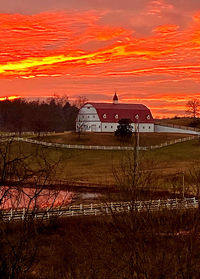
{"x":143,"y":127}
{"x":105,"y":127}
{"x":111,"y":127}
{"x":149,"y":127}
{"x":93,"y":116}
{"x":88,"y":107}
{"x":116,"y":116}
{"x":99,"y":126}
{"x":88,"y":116}
{"x":136,"y":116}
{"x":104,"y":115}
{"x":148,"y":117}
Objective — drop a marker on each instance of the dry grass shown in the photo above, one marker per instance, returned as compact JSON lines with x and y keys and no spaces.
{"x":104,"y":248}
{"x":108,"y":139}
{"x":185,"y":121}
{"x":97,"y":165}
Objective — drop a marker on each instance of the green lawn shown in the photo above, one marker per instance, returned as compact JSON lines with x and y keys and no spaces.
{"x":98,"y":165}
{"x":181,"y":152}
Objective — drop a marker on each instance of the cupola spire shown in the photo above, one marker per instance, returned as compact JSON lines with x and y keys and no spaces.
{"x":115,"y":98}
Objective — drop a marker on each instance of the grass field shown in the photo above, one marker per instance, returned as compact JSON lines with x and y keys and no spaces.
{"x":108,"y":139}
{"x":97,"y":165}
{"x":184,"y":121}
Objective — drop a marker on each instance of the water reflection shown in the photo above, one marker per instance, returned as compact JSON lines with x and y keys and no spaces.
{"x":16,"y":198}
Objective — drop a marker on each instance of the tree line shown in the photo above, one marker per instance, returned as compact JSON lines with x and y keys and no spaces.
{"x":54,"y":114}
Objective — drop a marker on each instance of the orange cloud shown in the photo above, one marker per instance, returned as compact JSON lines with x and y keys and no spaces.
{"x":49,"y":45}
{"x":167,"y":29}
{"x":78,"y":45}
{"x":156,"y":7}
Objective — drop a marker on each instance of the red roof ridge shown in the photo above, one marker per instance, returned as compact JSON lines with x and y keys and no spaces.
{"x":109,"y":112}
{"x":115,"y":106}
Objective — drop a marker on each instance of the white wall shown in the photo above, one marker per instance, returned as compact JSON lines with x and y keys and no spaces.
{"x":109,"y":127}
{"x":88,"y":126}
{"x":143,"y":127}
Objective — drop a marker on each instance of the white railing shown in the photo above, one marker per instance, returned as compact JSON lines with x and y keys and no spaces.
{"x":101,"y":209}
{"x":29,"y":133}
{"x":96,"y":147}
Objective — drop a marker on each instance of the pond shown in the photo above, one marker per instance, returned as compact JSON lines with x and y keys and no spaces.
{"x":17,"y":198}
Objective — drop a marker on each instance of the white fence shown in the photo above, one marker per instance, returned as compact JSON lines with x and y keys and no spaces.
{"x":93,"y":147}
{"x":30,"y":133}
{"x":101,"y":209}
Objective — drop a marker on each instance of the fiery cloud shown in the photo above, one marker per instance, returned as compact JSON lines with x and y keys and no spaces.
{"x":49,"y":44}
{"x":85,"y":48}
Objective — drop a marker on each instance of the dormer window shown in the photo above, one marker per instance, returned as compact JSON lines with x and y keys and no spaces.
{"x":104,"y":116}
{"x":136,"y":116}
{"x":116,"y":116}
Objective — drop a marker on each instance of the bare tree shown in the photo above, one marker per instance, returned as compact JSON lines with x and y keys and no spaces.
{"x":150,"y":237}
{"x":193,"y":108}
{"x":26,"y":174}
{"x":81,"y":100}
{"x":80,"y":129}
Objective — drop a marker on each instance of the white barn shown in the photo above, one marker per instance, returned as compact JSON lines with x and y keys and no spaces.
{"x":104,"y":117}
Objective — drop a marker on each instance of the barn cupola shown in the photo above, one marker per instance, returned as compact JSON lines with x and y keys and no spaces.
{"x":115,"y":99}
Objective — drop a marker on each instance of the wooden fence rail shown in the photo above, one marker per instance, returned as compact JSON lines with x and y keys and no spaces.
{"x":95,"y":147}
{"x":100,"y":209}
{"x":28,"y":133}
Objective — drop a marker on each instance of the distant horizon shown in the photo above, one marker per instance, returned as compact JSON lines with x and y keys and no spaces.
{"x":72,"y":101}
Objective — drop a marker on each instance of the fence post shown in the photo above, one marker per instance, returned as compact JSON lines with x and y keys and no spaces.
{"x":23,"y":213}
{"x":168,"y":204}
{"x":159,"y":204}
{"x":111,"y":205}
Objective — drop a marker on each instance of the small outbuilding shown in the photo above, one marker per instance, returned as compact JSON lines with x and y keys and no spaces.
{"x":104,"y":117}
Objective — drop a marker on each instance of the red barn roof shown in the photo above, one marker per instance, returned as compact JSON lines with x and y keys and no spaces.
{"x":111,"y":113}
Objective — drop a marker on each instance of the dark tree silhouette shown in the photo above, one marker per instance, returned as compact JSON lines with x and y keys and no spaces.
{"x":193,"y":108}
{"x":124,"y":129}
{"x":55,"y":114}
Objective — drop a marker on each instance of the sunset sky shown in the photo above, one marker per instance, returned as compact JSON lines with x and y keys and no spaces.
{"x":149,"y":51}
